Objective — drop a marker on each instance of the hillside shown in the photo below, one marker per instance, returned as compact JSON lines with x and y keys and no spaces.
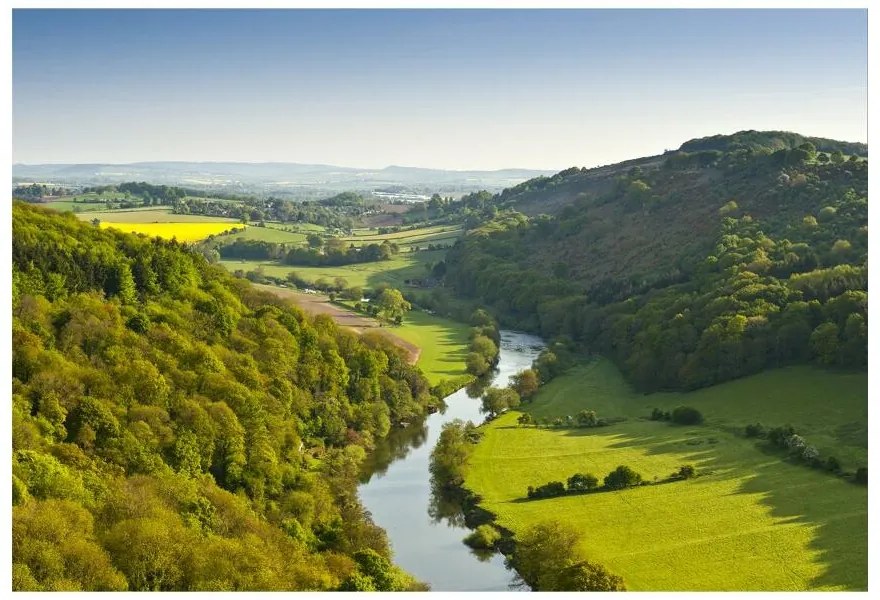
{"x":689,"y":268}
{"x":176,"y":429}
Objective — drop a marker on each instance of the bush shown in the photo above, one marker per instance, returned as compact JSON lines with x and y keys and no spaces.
{"x":548,"y":490}
{"x":832,"y":464}
{"x":755,"y":430}
{"x":622,"y":477}
{"x":686,"y":472}
{"x":483,"y":537}
{"x":582,"y":482}
{"x":861,"y":476}
{"x":686,"y":415}
{"x":779,"y":435}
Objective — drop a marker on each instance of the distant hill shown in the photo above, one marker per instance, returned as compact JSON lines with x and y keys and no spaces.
{"x":651,"y":260}
{"x":280,"y":179}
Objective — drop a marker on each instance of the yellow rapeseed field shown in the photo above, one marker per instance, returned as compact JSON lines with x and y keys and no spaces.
{"x":184,"y":232}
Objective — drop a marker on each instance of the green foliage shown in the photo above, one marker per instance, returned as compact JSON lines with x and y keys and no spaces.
{"x":484,"y":537}
{"x":546,"y":558}
{"x":582,"y":482}
{"x":686,"y":415}
{"x":622,"y":477}
{"x":449,"y":457}
{"x":705,"y":298}
{"x":189,"y":432}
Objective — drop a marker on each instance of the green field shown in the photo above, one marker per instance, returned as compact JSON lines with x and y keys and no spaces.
{"x":274,"y":235}
{"x":155,"y":214}
{"x":438,"y":234}
{"x":750,"y":521}
{"x":444,"y":344}
{"x":394,"y":272}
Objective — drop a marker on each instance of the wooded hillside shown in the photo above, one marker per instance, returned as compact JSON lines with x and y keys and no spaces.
{"x":690,"y":268}
{"x":175,"y":429}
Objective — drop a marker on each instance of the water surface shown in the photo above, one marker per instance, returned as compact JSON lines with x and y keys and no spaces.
{"x":396,"y":489}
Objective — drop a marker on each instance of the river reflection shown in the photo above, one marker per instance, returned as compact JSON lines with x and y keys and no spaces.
{"x":426,"y":529}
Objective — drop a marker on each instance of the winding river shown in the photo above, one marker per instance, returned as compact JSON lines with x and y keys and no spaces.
{"x":396,"y":489}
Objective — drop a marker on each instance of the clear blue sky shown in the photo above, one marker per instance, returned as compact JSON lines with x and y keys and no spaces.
{"x":449,"y":89}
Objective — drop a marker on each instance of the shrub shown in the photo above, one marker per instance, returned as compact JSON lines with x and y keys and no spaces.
{"x":484,"y":537}
{"x":582,"y":482}
{"x":832,"y":464}
{"x":755,"y":430}
{"x":526,"y":419}
{"x":861,"y":476}
{"x":622,"y":477}
{"x":686,"y":472}
{"x":548,"y":490}
{"x":686,"y":415}
{"x":778,"y":435}
{"x":587,"y":418}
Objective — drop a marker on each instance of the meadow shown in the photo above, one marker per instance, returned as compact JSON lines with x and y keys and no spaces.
{"x":184,"y":232}
{"x":443,"y":342}
{"x":394,"y":272}
{"x":157,"y":214}
{"x":749,"y":521}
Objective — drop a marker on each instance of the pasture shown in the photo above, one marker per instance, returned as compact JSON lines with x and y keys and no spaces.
{"x":394,"y":272}
{"x":749,"y":521}
{"x":443,"y":344}
{"x":158,"y":214}
{"x":184,"y":232}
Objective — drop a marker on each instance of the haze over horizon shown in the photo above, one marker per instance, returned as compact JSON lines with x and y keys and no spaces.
{"x":442,"y":89}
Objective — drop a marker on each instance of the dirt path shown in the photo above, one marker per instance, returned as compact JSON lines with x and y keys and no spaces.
{"x":319,"y":304}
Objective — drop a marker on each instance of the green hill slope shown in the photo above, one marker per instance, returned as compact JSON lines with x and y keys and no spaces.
{"x":689,"y":268}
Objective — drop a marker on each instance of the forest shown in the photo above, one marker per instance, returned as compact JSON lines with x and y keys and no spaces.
{"x":713,"y":265}
{"x":176,"y":429}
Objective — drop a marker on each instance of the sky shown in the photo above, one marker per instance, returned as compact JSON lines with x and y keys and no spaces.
{"x":451,"y":89}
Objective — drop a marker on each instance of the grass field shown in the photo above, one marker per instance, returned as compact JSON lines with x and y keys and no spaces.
{"x":394,"y":272}
{"x":268,"y":234}
{"x":158,"y":214}
{"x":70,"y":206}
{"x":444,"y":344}
{"x":751,"y":521}
{"x":184,"y":232}
{"x":439,"y":234}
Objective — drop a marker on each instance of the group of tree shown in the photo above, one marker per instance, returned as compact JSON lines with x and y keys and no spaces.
{"x":173,"y":428}
{"x":335,"y":252}
{"x":449,"y":458}
{"x":485,"y":343}
{"x":756,"y":260}
{"x":682,"y":415}
{"x":796,"y":447}
{"x":338,"y":212}
{"x":620,"y":478}
{"x":38,"y":191}
{"x":547,"y":560}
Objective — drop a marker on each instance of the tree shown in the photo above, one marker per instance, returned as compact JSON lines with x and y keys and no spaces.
{"x":392,"y":304}
{"x":545,"y":557}
{"x":686,"y":415}
{"x":526,"y":383}
{"x":837,"y":157}
{"x":314,"y":240}
{"x":525,"y":419}
{"x":497,"y":400}
{"x":622,"y":477}
{"x":587,"y":418}
{"x":477,"y":364}
{"x":582,"y":482}
{"x":825,"y":343}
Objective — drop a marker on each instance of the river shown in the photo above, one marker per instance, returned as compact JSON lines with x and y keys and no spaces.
{"x":396,"y":489}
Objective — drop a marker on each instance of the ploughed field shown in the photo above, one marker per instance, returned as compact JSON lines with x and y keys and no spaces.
{"x":749,"y":521}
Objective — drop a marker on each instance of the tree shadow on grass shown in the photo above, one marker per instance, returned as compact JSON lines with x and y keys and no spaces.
{"x":833,"y":507}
